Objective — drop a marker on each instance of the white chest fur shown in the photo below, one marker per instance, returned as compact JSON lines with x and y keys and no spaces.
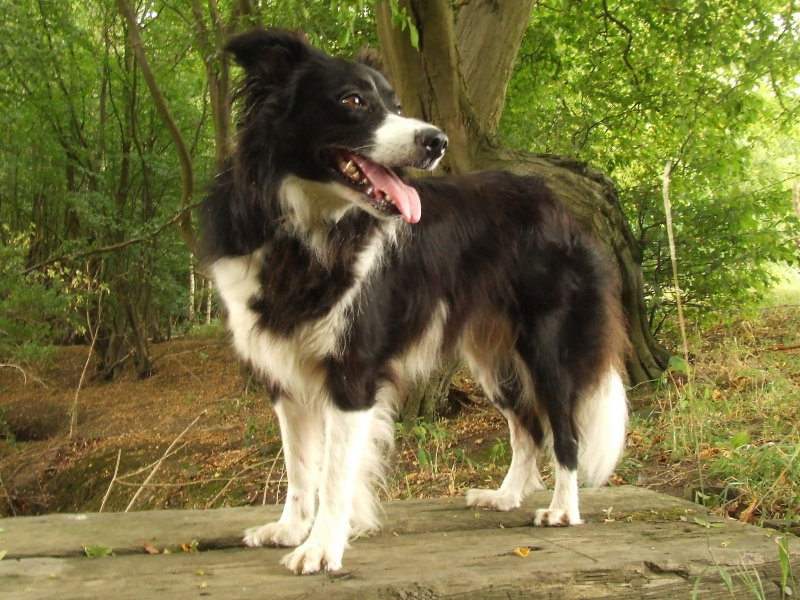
{"x":294,"y":361}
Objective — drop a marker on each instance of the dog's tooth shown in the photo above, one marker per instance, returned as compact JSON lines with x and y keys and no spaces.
{"x":370,"y":190}
{"x":387,"y":197}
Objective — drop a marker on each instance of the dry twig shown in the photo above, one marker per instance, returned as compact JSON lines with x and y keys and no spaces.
{"x":161,"y":460}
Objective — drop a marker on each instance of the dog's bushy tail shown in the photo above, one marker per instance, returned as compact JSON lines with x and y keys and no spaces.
{"x":602,"y":420}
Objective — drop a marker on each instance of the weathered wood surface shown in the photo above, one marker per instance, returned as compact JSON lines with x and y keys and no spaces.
{"x":653,"y":546}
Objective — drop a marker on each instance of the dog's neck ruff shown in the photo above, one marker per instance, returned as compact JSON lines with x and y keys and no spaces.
{"x":312,"y":211}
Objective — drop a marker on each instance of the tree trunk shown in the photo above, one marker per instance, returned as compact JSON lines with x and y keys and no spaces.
{"x":181,"y":149}
{"x":457,"y":80}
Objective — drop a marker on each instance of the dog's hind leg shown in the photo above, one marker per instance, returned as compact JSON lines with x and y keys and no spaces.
{"x":600,"y":422}
{"x":303,"y":437}
{"x":556,"y":393}
{"x":523,"y":474}
{"x":347,"y":434}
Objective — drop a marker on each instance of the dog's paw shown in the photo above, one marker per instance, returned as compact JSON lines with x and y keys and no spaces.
{"x":555,"y":517}
{"x":312,"y":558}
{"x":492,"y":499}
{"x":276,"y":534}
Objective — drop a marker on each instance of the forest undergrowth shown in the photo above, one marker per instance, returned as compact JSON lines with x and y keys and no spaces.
{"x":723,"y":431}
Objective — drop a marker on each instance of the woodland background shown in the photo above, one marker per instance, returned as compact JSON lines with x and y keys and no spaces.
{"x":118,"y":389}
{"x":104,"y":157}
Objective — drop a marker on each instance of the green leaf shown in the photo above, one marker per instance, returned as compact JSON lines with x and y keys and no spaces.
{"x":3,"y":554}
{"x":98,"y":551}
{"x":696,"y":586}
{"x":677,"y":364}
{"x":726,"y":577}
{"x":413,"y":33}
{"x":423,"y":457}
{"x":708,"y":524}
{"x":739,"y":439}
{"x":783,"y":559}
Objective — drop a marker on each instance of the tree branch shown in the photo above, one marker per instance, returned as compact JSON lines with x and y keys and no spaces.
{"x":114,"y":247}
{"x":625,"y":53}
{"x":187,"y":175}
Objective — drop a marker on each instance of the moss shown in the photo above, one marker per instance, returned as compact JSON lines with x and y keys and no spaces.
{"x":667,"y":514}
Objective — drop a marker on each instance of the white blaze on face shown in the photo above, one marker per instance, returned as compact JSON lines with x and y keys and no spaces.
{"x":395,"y":142}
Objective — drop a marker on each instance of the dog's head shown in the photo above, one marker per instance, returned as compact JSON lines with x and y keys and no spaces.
{"x":333,"y":121}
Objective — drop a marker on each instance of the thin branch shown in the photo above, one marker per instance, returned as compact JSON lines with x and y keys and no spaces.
{"x":625,"y":53}
{"x":114,"y":247}
{"x":161,"y":461}
{"x":73,"y":419}
{"x":111,"y":483}
{"x":674,"y":259}
{"x":25,"y":374}
{"x":269,"y":476}
{"x":184,"y":159}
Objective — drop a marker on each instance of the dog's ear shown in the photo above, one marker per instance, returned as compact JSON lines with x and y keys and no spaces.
{"x":270,"y":55}
{"x":371,"y":58}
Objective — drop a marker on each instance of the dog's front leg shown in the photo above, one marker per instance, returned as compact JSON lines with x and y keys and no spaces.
{"x":346,"y":437}
{"x":303,"y":437}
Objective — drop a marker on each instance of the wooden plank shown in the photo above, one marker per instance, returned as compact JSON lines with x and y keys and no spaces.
{"x":655,"y":547}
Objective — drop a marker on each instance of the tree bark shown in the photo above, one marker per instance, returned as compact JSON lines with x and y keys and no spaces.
{"x":458,"y":79}
{"x":210,"y":43}
{"x":181,"y":149}
{"x":487,"y":66}
{"x":428,"y":80}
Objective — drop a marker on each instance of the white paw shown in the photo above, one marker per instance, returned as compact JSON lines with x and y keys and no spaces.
{"x":493,"y":499}
{"x":555,"y":517}
{"x":312,"y":558}
{"x":277,"y":534}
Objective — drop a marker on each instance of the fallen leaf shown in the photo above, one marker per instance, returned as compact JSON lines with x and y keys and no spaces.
{"x":748,"y":514}
{"x":150,"y":549}
{"x":522,"y":551}
{"x":97,"y":551}
{"x":3,"y":554}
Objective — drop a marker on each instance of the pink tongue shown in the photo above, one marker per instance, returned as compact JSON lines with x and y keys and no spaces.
{"x":402,"y":195}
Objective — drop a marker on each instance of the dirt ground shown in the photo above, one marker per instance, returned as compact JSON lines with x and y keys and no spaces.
{"x":197,"y":434}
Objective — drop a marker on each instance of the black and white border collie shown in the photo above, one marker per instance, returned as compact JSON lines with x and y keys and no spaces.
{"x":343,"y":281}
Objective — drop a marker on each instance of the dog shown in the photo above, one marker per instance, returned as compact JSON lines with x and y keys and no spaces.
{"x":343,"y":280}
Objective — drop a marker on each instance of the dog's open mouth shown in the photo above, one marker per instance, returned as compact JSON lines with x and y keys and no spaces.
{"x":384,"y":190}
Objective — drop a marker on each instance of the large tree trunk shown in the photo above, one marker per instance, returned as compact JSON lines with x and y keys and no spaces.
{"x":457,"y":79}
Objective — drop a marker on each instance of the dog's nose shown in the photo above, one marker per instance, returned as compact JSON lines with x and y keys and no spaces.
{"x":433,"y":140}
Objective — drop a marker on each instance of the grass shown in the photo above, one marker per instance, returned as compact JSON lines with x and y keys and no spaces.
{"x":727,"y":431}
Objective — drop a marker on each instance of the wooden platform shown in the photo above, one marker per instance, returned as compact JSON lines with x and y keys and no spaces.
{"x":635,"y":544}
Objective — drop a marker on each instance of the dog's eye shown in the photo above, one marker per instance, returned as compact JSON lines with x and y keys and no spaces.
{"x":354,"y":101}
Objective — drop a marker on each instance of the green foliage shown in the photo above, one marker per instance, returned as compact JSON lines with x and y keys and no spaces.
{"x":711,"y":86}
{"x":35,"y":310}
{"x":402,"y":20}
{"x":500,"y":450}
{"x":88,"y":175}
{"x":429,"y":440}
